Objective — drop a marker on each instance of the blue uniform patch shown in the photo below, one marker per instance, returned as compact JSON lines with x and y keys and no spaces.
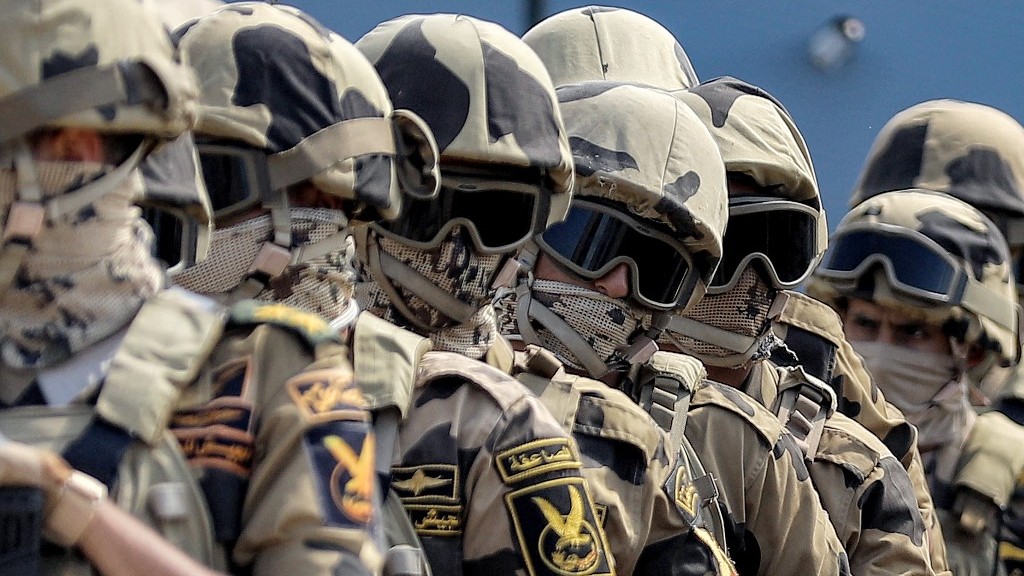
{"x":342,"y":454}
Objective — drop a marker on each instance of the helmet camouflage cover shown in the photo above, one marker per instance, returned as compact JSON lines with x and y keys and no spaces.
{"x":615,"y":44}
{"x":643,"y":148}
{"x":274,"y":79}
{"x":483,"y":92}
{"x":965,"y":235}
{"x":109,"y":70}
{"x":971,"y":151}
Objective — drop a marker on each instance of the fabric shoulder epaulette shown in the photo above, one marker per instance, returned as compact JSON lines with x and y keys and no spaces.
{"x":850,"y":445}
{"x":503,"y":388}
{"x":312,"y":328}
{"x":991,"y":460}
{"x":712,"y":394}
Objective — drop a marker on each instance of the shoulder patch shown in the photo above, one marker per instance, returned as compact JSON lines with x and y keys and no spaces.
{"x":326,"y":395}
{"x":312,"y":328}
{"x":557,"y":529}
{"x":342,"y":456}
{"x":536,"y":458}
{"x":720,"y":396}
{"x":846,"y":444}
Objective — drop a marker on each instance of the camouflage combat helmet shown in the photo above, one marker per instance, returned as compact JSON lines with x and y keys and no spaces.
{"x":615,"y":44}
{"x":274,"y":80}
{"x":970,"y":151}
{"x":483,"y":92}
{"x":112,"y":70}
{"x":775,"y":214}
{"x":645,"y":159}
{"x":932,"y":255}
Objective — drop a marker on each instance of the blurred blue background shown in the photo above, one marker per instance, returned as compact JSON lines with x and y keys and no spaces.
{"x":911,"y":52}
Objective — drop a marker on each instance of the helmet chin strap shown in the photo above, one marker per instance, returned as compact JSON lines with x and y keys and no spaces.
{"x":30,"y":211}
{"x":276,"y":255}
{"x":744,"y":346}
{"x":386,"y":269}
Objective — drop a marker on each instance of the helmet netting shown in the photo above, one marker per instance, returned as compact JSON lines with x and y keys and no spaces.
{"x":456,"y":267}
{"x":741,"y":310}
{"x":323,"y":285}
{"x":86,"y":274}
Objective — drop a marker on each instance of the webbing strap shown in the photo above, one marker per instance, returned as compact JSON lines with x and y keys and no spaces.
{"x":325,"y":148}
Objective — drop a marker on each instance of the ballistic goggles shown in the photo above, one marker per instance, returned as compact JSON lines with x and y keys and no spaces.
{"x":781,"y":233}
{"x":916,"y":266}
{"x":237,"y":178}
{"x":594,"y":238}
{"x":499,"y":215}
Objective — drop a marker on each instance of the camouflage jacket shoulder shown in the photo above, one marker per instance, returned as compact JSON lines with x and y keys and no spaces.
{"x":715,"y":395}
{"x":437,"y":365}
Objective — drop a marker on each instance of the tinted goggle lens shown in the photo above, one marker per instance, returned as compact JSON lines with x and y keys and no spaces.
{"x":502,"y":218}
{"x":236,"y":178}
{"x":914,"y":263}
{"x":786,"y":236}
{"x":591,"y":241}
{"x":172,"y":243}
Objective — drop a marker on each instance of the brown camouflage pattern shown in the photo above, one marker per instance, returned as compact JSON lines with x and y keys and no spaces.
{"x":868,"y":495}
{"x":964,"y":233}
{"x":271,"y":76}
{"x":970,"y":151}
{"x":57,"y":37}
{"x":476,"y":455}
{"x":641,"y":147}
{"x":608,"y":43}
{"x":484,"y":93}
{"x":643,"y":488}
{"x":775,"y":523}
{"x":861,"y":400}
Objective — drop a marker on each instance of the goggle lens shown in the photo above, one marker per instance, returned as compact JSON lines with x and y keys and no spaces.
{"x":591,"y":241}
{"x":787,"y":237}
{"x":914,"y":263}
{"x":236,"y":178}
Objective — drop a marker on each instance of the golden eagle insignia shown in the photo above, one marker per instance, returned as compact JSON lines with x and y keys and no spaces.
{"x":568,"y":541}
{"x":419,"y":481}
{"x":355,"y":499}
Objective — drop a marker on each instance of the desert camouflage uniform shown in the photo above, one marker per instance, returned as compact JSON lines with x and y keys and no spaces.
{"x":490,"y":480}
{"x":759,"y":140}
{"x":968,"y":489}
{"x":813,"y":334}
{"x":606,"y":43}
{"x":975,"y":153}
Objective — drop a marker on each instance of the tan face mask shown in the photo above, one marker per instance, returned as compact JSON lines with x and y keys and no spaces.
{"x":87,"y":274}
{"x":927,"y":386}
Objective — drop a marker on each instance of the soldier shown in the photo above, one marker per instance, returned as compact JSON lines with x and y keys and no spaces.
{"x":237,"y":434}
{"x":924,"y":286}
{"x":776,"y":209}
{"x":489,"y":479}
{"x":614,"y":44}
{"x":976,"y":154}
{"x":582,"y":313}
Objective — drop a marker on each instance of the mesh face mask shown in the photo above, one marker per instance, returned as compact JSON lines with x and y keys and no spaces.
{"x":324,"y":285}
{"x":743,"y":310}
{"x":606,"y":323}
{"x":455,"y":267}
{"x":87,"y":273}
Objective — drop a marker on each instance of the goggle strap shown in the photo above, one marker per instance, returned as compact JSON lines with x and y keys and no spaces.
{"x":281,"y":219}
{"x":332,"y":243}
{"x":711,"y":334}
{"x":327,"y":147}
{"x":529,"y":310}
{"x":507,"y":275}
{"x":415,"y":282}
{"x":988,"y":303}
{"x":131,"y":83}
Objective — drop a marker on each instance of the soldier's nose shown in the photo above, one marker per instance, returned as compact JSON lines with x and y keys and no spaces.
{"x":615,"y":283}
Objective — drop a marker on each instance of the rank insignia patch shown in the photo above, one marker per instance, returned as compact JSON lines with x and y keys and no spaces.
{"x":343,"y":458}
{"x":686,"y":497}
{"x":437,"y":483}
{"x":558,"y":530}
{"x":536,"y":458}
{"x":325,"y":395}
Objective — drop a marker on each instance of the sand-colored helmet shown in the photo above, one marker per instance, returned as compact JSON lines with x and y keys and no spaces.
{"x":932,"y":255}
{"x":783,"y":225}
{"x":643,"y":149}
{"x":970,"y":151}
{"x":295,"y":102}
{"x":485,"y":95}
{"x":614,"y":44}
